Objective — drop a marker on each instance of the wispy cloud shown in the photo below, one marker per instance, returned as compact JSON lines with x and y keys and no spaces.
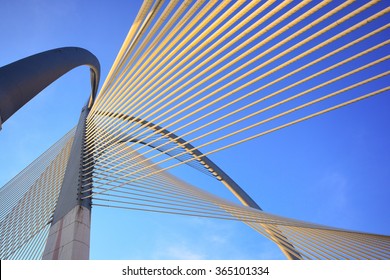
{"x":333,"y":190}
{"x":214,"y":239}
{"x":179,"y":252}
{"x":337,"y":186}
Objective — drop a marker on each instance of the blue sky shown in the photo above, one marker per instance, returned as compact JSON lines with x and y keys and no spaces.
{"x":333,"y":170}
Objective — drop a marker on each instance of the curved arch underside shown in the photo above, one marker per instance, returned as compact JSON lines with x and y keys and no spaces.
{"x":22,"y":80}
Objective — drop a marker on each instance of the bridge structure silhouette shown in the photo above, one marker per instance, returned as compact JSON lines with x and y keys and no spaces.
{"x":192,"y":79}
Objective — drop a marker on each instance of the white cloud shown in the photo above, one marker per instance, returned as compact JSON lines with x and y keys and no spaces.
{"x":334,"y":193}
{"x":214,"y":239}
{"x":336,"y":185}
{"x":183,"y":252}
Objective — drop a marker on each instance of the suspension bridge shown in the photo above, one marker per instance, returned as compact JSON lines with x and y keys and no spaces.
{"x":192,"y":79}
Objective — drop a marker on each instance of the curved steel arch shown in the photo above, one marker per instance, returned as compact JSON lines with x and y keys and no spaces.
{"x":229,"y":183}
{"x":22,"y":80}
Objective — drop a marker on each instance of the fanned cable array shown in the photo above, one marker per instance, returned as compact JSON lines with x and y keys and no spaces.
{"x":28,"y":202}
{"x":204,"y":76}
{"x":194,"y":78}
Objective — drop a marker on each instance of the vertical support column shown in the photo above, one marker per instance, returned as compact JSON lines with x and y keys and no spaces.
{"x":69,"y":233}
